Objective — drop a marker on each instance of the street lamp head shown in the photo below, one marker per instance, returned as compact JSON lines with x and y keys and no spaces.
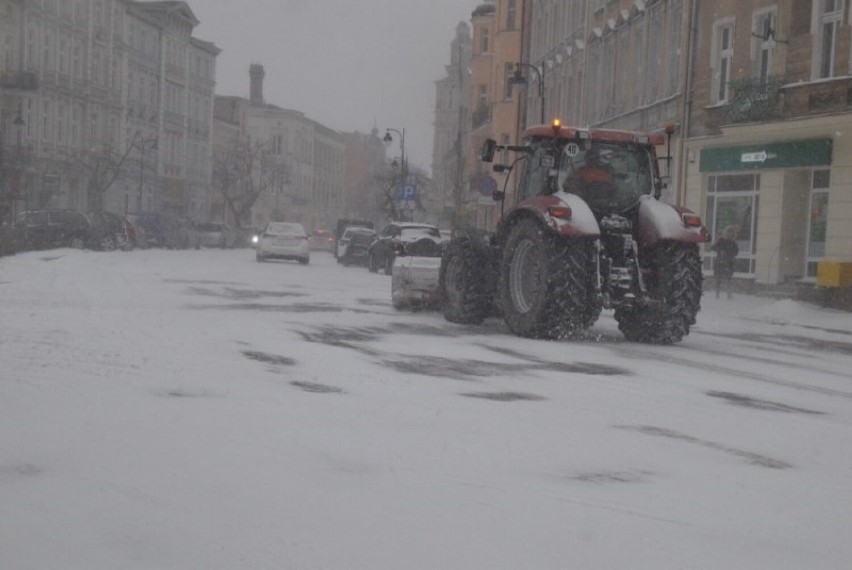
{"x":387,"y":138}
{"x":517,"y":78}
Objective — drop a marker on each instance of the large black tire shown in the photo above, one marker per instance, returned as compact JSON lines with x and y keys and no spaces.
{"x":463,"y":290}
{"x":674,"y":279}
{"x":77,"y":242}
{"x":545,"y":283}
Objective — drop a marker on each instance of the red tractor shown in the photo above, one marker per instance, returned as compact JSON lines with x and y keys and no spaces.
{"x":587,"y":232}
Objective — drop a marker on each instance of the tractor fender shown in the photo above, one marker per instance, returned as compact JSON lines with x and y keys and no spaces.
{"x":580,"y":222}
{"x":661,"y":221}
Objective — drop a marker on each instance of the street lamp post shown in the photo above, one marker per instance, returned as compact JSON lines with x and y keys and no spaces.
{"x":388,"y":138}
{"x":518,"y":79}
{"x":403,"y":171}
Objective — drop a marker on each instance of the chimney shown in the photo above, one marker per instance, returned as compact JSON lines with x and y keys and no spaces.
{"x":256,"y":74}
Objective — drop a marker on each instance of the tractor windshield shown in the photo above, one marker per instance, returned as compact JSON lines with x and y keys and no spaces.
{"x":610,"y":177}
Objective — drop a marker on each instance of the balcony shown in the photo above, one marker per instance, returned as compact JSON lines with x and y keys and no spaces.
{"x":755,"y":100}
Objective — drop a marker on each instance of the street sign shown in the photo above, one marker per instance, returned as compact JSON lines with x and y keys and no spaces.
{"x":406,"y":192}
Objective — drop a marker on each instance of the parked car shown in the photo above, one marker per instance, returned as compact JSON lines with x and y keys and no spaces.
{"x":163,"y":229}
{"x":403,"y":238}
{"x":284,"y":240}
{"x":354,"y":245}
{"x":45,"y":229}
{"x":247,"y":236}
{"x":321,"y":240}
{"x":107,"y":232}
{"x":344,"y":223}
{"x":216,"y":234}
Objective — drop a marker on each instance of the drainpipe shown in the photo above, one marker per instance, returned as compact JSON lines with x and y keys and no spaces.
{"x":691,"y":36}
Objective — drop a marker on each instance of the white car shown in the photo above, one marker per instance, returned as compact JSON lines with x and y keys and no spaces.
{"x":283,"y":240}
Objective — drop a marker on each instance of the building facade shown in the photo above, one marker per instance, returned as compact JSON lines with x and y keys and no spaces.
{"x":768,"y":150}
{"x":450,"y":143}
{"x":118,"y":103}
{"x":494,"y":103}
{"x":308,"y":156}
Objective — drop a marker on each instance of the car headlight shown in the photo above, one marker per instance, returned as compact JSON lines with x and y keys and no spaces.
{"x":255,"y":239}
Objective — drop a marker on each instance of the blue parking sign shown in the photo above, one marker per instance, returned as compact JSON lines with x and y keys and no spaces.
{"x":406,"y":192}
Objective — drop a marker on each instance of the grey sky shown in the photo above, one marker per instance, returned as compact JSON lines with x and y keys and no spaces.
{"x":348,"y":64}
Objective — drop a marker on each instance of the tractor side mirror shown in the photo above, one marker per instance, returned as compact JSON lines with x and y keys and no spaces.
{"x":488,"y":150}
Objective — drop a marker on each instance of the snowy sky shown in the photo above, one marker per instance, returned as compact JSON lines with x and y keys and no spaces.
{"x":347,"y":64}
{"x":199,"y":410}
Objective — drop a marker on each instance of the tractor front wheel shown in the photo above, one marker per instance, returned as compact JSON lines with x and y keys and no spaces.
{"x":464,"y":298}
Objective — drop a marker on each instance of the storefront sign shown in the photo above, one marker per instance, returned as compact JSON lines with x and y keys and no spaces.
{"x":790,"y":154}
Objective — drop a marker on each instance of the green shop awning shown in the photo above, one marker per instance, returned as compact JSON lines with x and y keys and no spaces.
{"x":789,"y":154}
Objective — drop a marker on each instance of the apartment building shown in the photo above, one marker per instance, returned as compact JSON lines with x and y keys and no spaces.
{"x":309,"y":156}
{"x":450,"y":142}
{"x":769,"y":145}
{"x":495,"y":108}
{"x":112,"y":103}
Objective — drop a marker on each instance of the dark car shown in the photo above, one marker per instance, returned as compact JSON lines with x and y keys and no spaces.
{"x":344,"y":223}
{"x":45,"y":229}
{"x":107,"y":232}
{"x":166,"y":230}
{"x":403,"y":238}
{"x":247,"y":236}
{"x":353,"y":247}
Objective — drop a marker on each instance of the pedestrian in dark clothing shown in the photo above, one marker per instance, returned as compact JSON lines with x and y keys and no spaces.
{"x":726,"y":252}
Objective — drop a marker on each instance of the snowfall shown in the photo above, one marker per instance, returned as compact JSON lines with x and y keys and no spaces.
{"x":199,"y":410}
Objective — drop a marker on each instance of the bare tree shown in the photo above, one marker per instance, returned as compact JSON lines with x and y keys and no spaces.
{"x":388,"y":202}
{"x":242,"y":171}
{"x":99,"y":167}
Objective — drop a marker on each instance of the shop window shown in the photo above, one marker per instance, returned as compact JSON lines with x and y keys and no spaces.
{"x":732,"y":201}
{"x":817,"y":219}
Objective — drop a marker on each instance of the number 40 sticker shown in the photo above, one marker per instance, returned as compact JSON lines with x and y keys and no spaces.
{"x":572,"y":149}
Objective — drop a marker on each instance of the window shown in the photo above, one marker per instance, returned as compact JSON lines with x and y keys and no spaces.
{"x":509,"y":70}
{"x":483,"y":41}
{"x":732,"y":201}
{"x":763,"y":44}
{"x":511,"y":14}
{"x":674,"y":52}
{"x":723,"y":54}
{"x":828,"y":22}
{"x":654,"y":64}
{"x":638,"y":57}
{"x":817,"y":219}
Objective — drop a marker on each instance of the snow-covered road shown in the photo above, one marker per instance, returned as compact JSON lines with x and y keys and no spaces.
{"x":196,"y":409}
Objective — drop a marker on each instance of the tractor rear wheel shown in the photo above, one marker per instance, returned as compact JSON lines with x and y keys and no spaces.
{"x":675,"y":280}
{"x":546,"y":283}
{"x":464,"y":296}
